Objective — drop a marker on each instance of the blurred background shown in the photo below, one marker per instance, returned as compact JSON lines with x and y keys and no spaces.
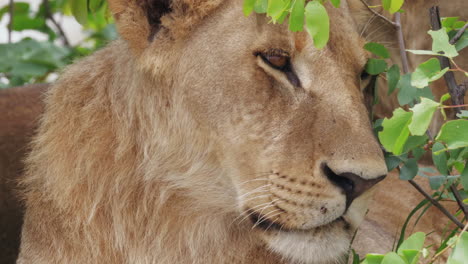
{"x":38,"y":37}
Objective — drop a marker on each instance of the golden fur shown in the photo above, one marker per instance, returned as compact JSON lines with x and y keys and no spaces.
{"x":151,"y":150}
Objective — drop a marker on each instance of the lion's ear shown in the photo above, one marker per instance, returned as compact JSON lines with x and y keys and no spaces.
{"x":139,"y":20}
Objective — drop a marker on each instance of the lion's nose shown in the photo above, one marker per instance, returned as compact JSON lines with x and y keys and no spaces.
{"x":350,"y":183}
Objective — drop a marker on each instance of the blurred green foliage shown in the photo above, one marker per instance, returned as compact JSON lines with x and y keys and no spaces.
{"x":33,"y":61}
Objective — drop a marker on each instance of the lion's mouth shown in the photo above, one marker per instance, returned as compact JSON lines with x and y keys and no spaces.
{"x":261,"y":222}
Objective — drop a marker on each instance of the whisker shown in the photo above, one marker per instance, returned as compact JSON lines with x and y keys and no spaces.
{"x":254,"y":211}
{"x":259,"y":205}
{"x":272,"y":222}
{"x":265,"y":217}
{"x":253,"y":191}
{"x":258,"y":179}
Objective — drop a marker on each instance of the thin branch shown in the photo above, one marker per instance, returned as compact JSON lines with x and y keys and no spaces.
{"x":11,"y":11}
{"x":378,"y":14}
{"x":401,"y":43}
{"x":50,"y":17}
{"x":437,"y":204}
{"x":455,"y":93}
{"x":459,"y":34}
{"x":459,"y":199}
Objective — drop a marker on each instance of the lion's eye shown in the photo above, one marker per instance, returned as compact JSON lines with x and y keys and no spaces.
{"x":276,"y":60}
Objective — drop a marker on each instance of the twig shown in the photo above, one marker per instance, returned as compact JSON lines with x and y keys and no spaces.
{"x":437,"y":204}
{"x":401,"y":43}
{"x":49,"y":16}
{"x":459,"y":34}
{"x":459,"y":200}
{"x":449,"y":246}
{"x":11,"y":11}
{"x":378,"y":14}
{"x":455,"y":93}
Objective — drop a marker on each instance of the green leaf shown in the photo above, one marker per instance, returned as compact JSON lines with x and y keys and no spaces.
{"x":374,"y":258}
{"x":447,"y":22}
{"x":460,"y":252}
{"x":19,"y":8}
{"x":376,"y":66}
{"x":261,"y":6}
{"x":463,"y":114}
{"x":386,"y":4}
{"x":335,"y":3}
{"x":23,"y":22}
{"x":454,"y":133}
{"x":95,"y":5}
{"x":392,"y":161}
{"x":248,"y":7}
{"x":79,"y":9}
{"x":439,"y":157}
{"x":276,"y":8}
{"x":409,"y":169}
{"x":464,"y":178}
{"x":392,"y":258}
{"x":377,"y":49}
{"x":422,"y":116}
{"x":444,"y":98}
{"x":296,"y":19}
{"x":436,"y":181}
{"x":393,"y":76}
{"x":427,"y":72}
{"x":462,"y":42}
{"x":414,"y":142}
{"x":396,"y":5}
{"x":414,"y":242}
{"x":406,"y":92}
{"x":411,"y":255}
{"x":395,"y":131}
{"x":441,"y":43}
{"x":28,"y":69}
{"x":355,"y":257}
{"x":317,"y":23}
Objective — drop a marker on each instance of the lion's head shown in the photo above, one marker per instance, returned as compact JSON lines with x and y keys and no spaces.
{"x":291,"y":130}
{"x":282,"y":125}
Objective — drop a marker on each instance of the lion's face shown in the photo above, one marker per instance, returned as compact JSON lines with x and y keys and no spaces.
{"x":290,"y":122}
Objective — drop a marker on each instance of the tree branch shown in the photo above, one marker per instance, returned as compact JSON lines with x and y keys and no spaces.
{"x":401,"y":44}
{"x":437,"y":204}
{"x":459,"y":200}
{"x":459,"y":34}
{"x":50,"y":17}
{"x":456,"y":94}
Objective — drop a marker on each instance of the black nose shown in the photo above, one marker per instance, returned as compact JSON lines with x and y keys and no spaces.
{"x":352,"y":184}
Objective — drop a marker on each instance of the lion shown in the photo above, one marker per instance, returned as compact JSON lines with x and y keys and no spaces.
{"x":153,"y":150}
{"x":199,"y":130}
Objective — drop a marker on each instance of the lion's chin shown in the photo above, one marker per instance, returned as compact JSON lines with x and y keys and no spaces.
{"x":326,"y":244}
